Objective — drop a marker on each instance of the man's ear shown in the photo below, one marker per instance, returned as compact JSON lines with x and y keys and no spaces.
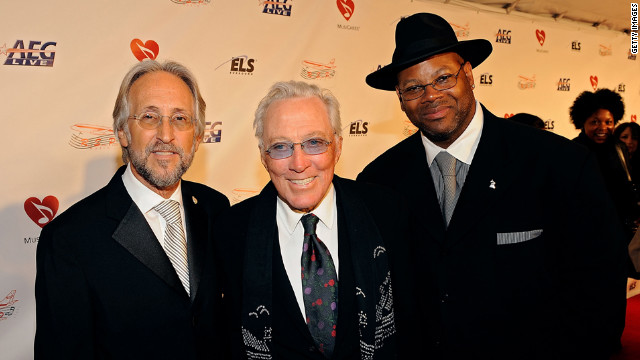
{"x":122,"y":138}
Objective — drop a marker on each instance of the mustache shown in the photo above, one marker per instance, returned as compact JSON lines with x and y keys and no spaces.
{"x":159,"y":146}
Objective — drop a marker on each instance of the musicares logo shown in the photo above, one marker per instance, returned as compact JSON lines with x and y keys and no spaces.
{"x":594,"y":82}
{"x":346,"y":8}
{"x":634,"y":118}
{"x":146,"y":50}
{"x":41,"y":212}
{"x":541,"y":36}
{"x":507,"y":115}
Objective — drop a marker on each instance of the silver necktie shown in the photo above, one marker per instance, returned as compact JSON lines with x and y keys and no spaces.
{"x":447,"y":165}
{"x":175,"y":244}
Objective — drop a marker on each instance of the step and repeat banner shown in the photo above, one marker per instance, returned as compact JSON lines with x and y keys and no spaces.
{"x":61,"y":64}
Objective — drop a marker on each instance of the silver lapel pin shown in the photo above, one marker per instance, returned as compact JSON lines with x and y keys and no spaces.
{"x":195,"y":201}
{"x":492,"y":184}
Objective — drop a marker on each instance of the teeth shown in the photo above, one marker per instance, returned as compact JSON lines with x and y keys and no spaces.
{"x":302,"y":181}
{"x":164,"y":152}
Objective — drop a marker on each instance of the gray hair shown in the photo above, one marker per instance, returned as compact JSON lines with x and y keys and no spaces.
{"x":283,"y":90}
{"x":121,"y":108}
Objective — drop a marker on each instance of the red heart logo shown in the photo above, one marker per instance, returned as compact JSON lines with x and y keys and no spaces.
{"x":147,"y":50}
{"x":346,"y":8}
{"x":41,"y":212}
{"x":594,"y":82}
{"x":634,"y":118}
{"x":541,"y":36}
{"x":506,"y":116}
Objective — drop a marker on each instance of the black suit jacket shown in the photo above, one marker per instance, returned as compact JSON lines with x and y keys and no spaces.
{"x":359,"y":206}
{"x":490,"y":294}
{"x":105,"y":288}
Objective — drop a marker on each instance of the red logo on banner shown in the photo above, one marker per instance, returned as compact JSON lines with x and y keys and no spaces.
{"x":147,"y":50}
{"x":506,"y":116}
{"x":541,"y":36}
{"x":346,"y":8}
{"x":41,"y":212}
{"x":634,"y":118}
{"x":594,"y":82}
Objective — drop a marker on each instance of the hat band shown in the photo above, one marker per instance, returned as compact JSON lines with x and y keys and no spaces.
{"x":422,"y":47}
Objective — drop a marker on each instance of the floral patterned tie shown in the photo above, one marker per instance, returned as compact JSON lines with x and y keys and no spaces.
{"x":319,"y":288}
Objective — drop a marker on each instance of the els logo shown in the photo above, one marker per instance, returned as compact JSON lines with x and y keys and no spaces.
{"x":41,"y":212}
{"x":212,"y":132}
{"x":240,"y":65}
{"x":146,"y":50}
{"x":503,"y":36}
{"x":276,"y":7}
{"x":358,"y":128}
{"x":346,"y":8}
{"x":36,"y":54}
{"x":486,"y":79}
{"x":564,"y":84}
{"x":575,"y":45}
{"x":594,"y":82}
{"x":6,"y":305}
{"x":621,"y":87}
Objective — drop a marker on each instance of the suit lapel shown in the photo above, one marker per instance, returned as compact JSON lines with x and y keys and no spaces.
{"x":135,"y":234}
{"x":426,"y":211}
{"x":197,"y":236}
{"x":487,"y":178}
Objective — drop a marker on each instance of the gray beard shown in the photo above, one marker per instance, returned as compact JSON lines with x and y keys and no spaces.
{"x":168,"y":177}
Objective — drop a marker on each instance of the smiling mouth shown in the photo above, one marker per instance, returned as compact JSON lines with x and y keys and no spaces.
{"x":302,"y":181}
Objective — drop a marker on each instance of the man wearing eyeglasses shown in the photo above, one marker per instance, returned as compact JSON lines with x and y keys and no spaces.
{"x":310,"y":262}
{"x":521,"y":254}
{"x":128,"y":272}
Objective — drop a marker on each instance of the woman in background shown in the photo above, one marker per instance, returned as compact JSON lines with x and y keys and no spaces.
{"x":628,"y":133}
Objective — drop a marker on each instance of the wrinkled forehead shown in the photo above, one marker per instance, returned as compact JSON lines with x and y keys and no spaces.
{"x":296,"y":119}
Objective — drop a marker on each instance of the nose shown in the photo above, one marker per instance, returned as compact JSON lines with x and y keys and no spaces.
{"x":430,"y":94}
{"x":165,"y":132}
{"x":299,"y":160}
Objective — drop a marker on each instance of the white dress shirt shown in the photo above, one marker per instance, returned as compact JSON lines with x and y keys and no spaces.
{"x":146,"y":200}
{"x":291,"y":238}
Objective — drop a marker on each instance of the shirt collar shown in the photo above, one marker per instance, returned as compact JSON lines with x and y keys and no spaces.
{"x":464,"y":148}
{"x":145,"y":198}
{"x":325,"y":212}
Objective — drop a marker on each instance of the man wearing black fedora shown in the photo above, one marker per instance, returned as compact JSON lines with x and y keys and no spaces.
{"x":521,"y":255}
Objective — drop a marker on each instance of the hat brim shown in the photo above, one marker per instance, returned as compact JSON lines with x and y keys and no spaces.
{"x":473,"y":51}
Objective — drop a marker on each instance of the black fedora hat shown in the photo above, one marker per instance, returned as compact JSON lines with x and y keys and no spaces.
{"x":419,"y":37}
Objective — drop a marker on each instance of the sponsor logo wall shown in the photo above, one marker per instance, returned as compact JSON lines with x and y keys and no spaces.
{"x":61,"y":72}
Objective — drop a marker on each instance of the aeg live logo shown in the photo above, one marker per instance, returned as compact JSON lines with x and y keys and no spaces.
{"x":36,"y":54}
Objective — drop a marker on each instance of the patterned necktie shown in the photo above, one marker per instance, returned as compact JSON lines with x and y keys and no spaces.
{"x":175,"y":244}
{"x":319,"y":287}
{"x":447,"y":165}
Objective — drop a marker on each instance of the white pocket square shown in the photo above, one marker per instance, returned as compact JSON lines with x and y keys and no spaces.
{"x":517,"y":237}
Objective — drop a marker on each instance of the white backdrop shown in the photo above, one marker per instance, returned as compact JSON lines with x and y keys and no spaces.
{"x":61,"y":64}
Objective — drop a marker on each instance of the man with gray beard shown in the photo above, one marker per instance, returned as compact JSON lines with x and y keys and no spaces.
{"x":127,"y":273}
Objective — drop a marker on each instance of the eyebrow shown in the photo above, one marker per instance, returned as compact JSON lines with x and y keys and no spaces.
{"x":156,"y":109}
{"x":311,"y":135}
{"x":439,"y":72}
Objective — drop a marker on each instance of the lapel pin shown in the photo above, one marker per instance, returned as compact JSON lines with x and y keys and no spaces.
{"x":195,"y":201}
{"x":492,"y":184}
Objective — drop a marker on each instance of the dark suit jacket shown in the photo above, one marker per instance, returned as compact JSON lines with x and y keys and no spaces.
{"x":363,"y":210}
{"x":105,"y":289}
{"x":489,"y":293}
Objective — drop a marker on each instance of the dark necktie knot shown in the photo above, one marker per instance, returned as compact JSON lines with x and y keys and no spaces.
{"x":309,"y":223}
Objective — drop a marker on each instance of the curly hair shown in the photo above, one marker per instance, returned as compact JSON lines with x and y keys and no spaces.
{"x":587,"y":103}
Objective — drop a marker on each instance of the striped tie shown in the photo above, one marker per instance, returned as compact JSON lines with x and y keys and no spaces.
{"x":175,"y":244}
{"x":447,"y":164}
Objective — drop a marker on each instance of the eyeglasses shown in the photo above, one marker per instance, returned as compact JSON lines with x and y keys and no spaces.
{"x":283,"y":150}
{"x":442,"y":82}
{"x":151,"y":120}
